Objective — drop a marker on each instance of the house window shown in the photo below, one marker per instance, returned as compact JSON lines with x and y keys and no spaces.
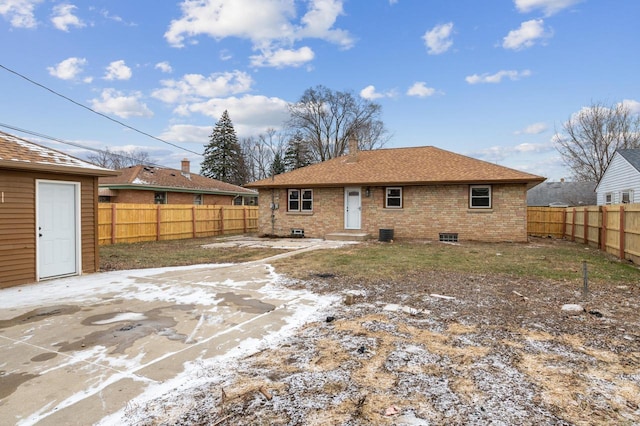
{"x":104,"y":198}
{"x":197,"y":199}
{"x":608,"y":198}
{"x":160,"y":198}
{"x":300,"y":200}
{"x":625,"y":196}
{"x":480,"y":197}
{"x":393,"y":198}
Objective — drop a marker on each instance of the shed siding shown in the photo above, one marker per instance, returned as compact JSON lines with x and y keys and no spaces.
{"x":18,"y":222}
{"x":620,"y":176}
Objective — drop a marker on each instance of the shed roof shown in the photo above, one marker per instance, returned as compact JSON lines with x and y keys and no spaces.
{"x":160,"y":178}
{"x":399,"y":166}
{"x":20,"y":154}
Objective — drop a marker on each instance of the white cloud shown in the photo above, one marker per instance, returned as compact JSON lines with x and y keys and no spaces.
{"x":497,"y":77}
{"x":195,"y":87}
{"x":114,"y":102}
{"x":118,"y":70}
{"x":64,"y":18}
{"x":549,"y":7}
{"x":19,"y":13}
{"x":68,"y":69}
{"x":275,"y":28}
{"x":187,"y":133}
{"x":164,"y":67}
{"x":421,"y":90}
{"x":526,"y":36}
{"x":251,"y":115}
{"x":370,"y":93}
{"x":283,"y":58}
{"x":633,"y":105}
{"x":438,"y":39}
{"x":533,"y":129}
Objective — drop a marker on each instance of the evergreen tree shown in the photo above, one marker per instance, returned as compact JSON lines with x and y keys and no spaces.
{"x":297,"y":153}
{"x":277,"y":166}
{"x":223,"y":157}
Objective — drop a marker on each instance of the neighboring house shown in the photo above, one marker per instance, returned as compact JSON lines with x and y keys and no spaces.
{"x":562,"y":194}
{"x":156,"y":185}
{"x":620,"y":182}
{"x":48,"y":213}
{"x":424,"y":192}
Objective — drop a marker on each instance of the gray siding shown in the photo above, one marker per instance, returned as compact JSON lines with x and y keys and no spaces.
{"x":620,"y":176}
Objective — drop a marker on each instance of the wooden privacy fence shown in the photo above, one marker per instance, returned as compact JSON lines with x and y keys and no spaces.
{"x":613,"y":228}
{"x":130,"y":223}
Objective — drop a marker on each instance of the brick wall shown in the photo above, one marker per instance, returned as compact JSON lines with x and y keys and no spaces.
{"x":427,"y":211}
{"x":147,"y":197}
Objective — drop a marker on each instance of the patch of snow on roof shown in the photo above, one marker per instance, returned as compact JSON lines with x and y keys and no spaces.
{"x":139,"y":181}
{"x":56,"y":158}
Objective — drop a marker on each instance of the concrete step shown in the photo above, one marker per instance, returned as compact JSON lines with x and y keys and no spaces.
{"x":347,"y":236}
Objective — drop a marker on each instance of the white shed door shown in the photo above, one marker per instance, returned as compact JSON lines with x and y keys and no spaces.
{"x":57,"y":229}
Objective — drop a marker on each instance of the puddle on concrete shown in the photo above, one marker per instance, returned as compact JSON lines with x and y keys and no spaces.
{"x":244,"y":303}
{"x":39,"y":315}
{"x":123,"y":334}
{"x":44,"y":357}
{"x":10,"y":382}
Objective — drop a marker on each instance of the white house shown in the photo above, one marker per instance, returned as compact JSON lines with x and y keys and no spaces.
{"x":620,"y":182}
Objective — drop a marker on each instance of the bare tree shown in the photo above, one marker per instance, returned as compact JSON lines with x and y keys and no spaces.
{"x":591,"y":136}
{"x":261,"y":151}
{"x":326,"y":119}
{"x":119,"y":159}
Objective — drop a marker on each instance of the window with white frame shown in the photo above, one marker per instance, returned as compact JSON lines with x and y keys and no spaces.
{"x":393,"y":198}
{"x":197,"y":199}
{"x":300,"y":200}
{"x":608,"y":198}
{"x":480,"y":196}
{"x":626,"y":196}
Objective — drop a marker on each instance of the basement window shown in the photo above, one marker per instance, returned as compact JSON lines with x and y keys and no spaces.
{"x":448,"y":237}
{"x":480,"y":197}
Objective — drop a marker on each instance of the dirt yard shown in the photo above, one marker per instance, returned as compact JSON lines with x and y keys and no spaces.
{"x":434,"y":348}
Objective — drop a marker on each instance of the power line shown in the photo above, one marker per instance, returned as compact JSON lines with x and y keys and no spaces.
{"x":94,"y":111}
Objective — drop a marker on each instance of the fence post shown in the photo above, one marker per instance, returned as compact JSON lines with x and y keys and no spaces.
{"x":158,"y":223}
{"x":564,"y":223}
{"x":114,"y":212}
{"x":573,"y":225}
{"x":586,"y":226}
{"x":603,"y":230}
{"x":622,"y":232}
{"x":244,"y":218}
{"x":193,"y":221}
{"x":221,"y":220}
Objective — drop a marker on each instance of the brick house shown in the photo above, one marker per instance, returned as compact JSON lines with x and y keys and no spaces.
{"x":157,"y":185}
{"x":48,"y":213}
{"x":423,"y":192}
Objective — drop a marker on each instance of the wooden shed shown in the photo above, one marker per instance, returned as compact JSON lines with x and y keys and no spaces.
{"x":48,"y":213}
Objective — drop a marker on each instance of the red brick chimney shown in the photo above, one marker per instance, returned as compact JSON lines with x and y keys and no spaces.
{"x":185,"y":168}
{"x":353,"y":149}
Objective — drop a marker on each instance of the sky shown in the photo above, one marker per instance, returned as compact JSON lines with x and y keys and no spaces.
{"x":492,"y":79}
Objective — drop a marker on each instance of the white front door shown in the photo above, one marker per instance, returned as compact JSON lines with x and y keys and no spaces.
{"x":352,"y":208}
{"x":58,"y":225}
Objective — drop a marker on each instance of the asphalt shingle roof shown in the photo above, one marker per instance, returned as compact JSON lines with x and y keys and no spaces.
{"x":21,"y":154}
{"x":399,"y":166}
{"x":632,"y":156}
{"x":159,"y":177}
